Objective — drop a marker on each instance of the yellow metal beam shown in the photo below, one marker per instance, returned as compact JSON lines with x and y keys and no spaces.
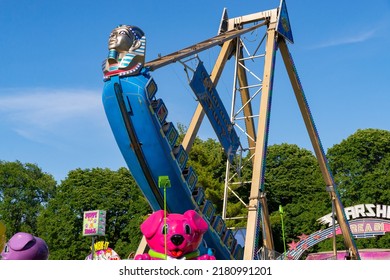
{"x":257,"y":198}
{"x":199,"y":47}
{"x":313,"y":134}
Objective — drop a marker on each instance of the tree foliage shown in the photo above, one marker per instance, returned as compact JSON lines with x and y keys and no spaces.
{"x":293,"y":180}
{"x":361,"y":168}
{"x":292,"y":176}
{"x":93,"y":189}
{"x":24,"y":193}
{"x":209,"y":163}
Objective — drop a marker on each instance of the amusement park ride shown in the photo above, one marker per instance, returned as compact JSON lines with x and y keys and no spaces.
{"x":148,"y":141}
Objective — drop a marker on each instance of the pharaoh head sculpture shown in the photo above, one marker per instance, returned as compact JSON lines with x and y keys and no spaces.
{"x":126,"y":51}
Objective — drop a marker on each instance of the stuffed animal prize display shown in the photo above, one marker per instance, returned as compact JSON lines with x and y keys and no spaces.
{"x":177,"y":237}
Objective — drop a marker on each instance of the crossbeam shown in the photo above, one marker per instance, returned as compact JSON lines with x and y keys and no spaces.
{"x":199,"y":47}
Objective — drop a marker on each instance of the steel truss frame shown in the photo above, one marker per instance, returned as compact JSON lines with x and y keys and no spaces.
{"x":229,"y":38}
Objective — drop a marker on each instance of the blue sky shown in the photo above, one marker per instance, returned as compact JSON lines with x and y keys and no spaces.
{"x":51,"y":112}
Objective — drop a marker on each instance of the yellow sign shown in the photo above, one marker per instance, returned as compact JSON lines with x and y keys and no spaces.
{"x":101,"y":245}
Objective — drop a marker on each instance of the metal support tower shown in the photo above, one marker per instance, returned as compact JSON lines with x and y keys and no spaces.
{"x":256,"y":126}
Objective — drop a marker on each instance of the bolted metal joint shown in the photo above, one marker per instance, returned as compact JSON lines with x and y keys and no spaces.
{"x":329,"y":188}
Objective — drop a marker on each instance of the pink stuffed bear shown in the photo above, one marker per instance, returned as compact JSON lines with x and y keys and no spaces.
{"x":182,"y":234}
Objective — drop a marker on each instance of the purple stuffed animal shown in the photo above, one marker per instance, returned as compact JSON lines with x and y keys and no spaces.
{"x":24,"y":246}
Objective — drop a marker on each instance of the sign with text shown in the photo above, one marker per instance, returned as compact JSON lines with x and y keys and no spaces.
{"x":94,"y":223}
{"x":208,"y":97}
{"x":103,"y":252}
{"x":360,"y":211}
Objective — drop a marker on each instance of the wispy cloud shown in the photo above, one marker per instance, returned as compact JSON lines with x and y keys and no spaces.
{"x":32,"y":112}
{"x":346,"y":40}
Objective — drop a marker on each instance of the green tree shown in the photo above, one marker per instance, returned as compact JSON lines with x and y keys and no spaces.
{"x":293,"y":180}
{"x":94,"y":189}
{"x":361,"y":166}
{"x":208,"y":161}
{"x":292,"y":176}
{"x":24,"y":193}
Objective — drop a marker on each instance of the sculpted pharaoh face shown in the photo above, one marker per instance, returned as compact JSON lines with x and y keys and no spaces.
{"x":121,"y":39}
{"x":126,"y":51}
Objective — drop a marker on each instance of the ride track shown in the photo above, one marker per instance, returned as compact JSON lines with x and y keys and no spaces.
{"x":148,"y":142}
